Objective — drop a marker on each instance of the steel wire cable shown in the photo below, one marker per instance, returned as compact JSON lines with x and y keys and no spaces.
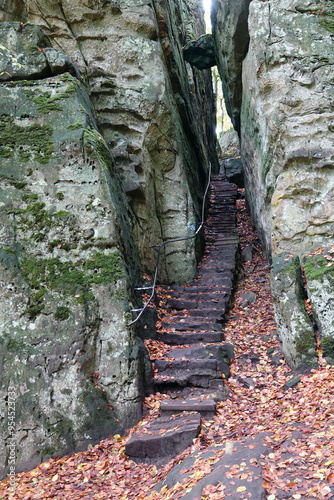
{"x":159,"y":247}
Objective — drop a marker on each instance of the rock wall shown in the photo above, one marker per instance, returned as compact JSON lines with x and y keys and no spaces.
{"x":105,"y":139}
{"x":282,"y":92}
{"x":151,"y":108}
{"x":67,"y":264}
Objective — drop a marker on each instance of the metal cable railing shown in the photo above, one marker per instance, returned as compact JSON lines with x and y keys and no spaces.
{"x":159,"y":247}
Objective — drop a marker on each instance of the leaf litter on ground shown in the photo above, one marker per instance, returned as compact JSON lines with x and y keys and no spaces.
{"x":298,"y":422}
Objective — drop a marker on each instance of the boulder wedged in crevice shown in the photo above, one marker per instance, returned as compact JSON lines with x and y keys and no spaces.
{"x":200,"y":53}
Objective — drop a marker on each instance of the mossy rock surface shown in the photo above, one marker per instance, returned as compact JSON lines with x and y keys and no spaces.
{"x":294,"y":326}
{"x":27,"y":142}
{"x":318,"y":267}
{"x":64,"y":264}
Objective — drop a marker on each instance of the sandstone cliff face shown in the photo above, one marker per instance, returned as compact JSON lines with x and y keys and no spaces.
{"x":287,"y":117}
{"x":67,"y":262}
{"x":150,"y":109}
{"x":284,"y":86}
{"x":94,"y":167}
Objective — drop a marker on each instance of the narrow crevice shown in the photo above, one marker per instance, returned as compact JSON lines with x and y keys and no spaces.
{"x":311,"y":315}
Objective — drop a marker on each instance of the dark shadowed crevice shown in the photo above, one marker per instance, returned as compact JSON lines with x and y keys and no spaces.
{"x":311,"y":314}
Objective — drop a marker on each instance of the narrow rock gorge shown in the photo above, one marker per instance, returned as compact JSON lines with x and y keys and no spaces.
{"x":106,"y":136}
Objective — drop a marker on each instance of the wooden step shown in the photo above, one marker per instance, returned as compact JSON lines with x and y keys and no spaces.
{"x":206,"y":407}
{"x":178,"y":338}
{"x":191,"y":364}
{"x":164,"y":437}
{"x":189,"y":325}
{"x":216,"y":314}
{"x":180,"y":304}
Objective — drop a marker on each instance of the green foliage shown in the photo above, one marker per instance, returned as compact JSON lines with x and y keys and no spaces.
{"x":305,"y":342}
{"x":29,"y":197}
{"x":325,"y":15}
{"x":38,"y":220}
{"x":23,"y":83}
{"x":61,"y":214}
{"x":17,"y":184}
{"x":63,"y":277}
{"x":59,"y":243}
{"x":34,"y":218}
{"x":18,"y":346}
{"x":37,"y":138}
{"x":94,"y":141}
{"x":45,"y":103}
{"x":60,"y":195}
{"x":36,"y":303}
{"x":13,"y":182}
{"x":327,"y":21}
{"x":107,"y":268}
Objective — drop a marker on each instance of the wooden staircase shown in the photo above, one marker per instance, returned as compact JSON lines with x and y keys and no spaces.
{"x":193,"y":376}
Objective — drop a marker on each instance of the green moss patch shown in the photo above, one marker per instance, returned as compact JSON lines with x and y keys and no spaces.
{"x":324,"y":13}
{"x":63,"y":277}
{"x":327,"y":22}
{"x":19,"y":347}
{"x":105,"y":268}
{"x":14,"y":182}
{"x":34,"y":218}
{"x":36,"y":302}
{"x":47,"y":103}
{"x":305,"y":342}
{"x":327,"y":344}
{"x":38,"y":220}
{"x":75,"y":126}
{"x":31,"y":141}
{"x":62,"y":313}
{"x":94,"y":140}
{"x":59,"y":244}
{"x":68,"y":278}
{"x":317,"y":267}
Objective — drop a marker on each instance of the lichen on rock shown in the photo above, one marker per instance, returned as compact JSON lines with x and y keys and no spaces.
{"x":66,"y":263}
{"x":295,"y":329}
{"x":319,"y":273}
{"x":275,"y":59}
{"x":150,"y":110}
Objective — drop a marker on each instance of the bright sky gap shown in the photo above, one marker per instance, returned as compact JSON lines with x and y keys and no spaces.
{"x":207,"y":5}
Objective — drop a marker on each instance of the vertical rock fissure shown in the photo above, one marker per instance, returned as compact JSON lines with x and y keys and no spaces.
{"x":309,"y":310}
